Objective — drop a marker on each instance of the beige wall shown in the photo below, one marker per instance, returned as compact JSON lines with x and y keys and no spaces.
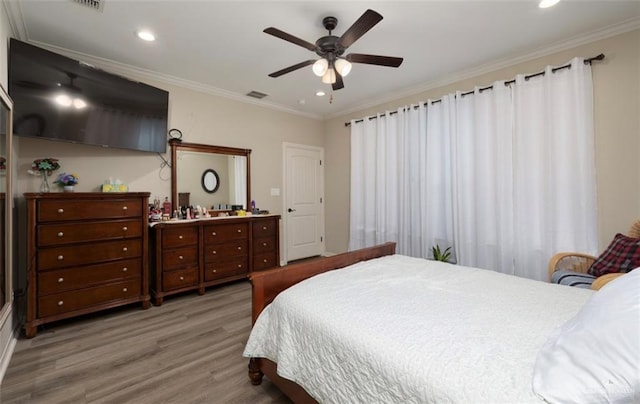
{"x":202,"y":118}
{"x":617,"y":126}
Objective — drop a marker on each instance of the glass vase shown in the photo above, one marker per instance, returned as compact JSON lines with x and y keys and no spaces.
{"x":44,"y":187}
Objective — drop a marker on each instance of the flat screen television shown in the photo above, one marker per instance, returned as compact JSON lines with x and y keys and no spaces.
{"x":59,"y":98}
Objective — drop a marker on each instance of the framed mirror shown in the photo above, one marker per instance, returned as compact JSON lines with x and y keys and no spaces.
{"x":225,"y":180}
{"x":6,"y":116}
{"x":210,"y":181}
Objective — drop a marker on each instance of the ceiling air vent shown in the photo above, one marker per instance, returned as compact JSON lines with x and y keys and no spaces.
{"x":256,"y":94}
{"x":97,"y":5}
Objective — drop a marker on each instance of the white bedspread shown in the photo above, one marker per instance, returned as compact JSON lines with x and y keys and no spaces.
{"x":406,"y":330}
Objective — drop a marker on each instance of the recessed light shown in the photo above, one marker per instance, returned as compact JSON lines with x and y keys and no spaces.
{"x":146,"y":36}
{"x":547,"y":3}
{"x":320,"y":93}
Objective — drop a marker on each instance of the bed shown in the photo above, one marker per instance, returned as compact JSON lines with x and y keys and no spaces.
{"x":394,"y":329}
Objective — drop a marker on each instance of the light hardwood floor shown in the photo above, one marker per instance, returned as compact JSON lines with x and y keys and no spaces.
{"x":189,"y":350}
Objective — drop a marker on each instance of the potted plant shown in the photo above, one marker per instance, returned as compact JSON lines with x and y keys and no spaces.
{"x":67,"y":181}
{"x":439,"y":255}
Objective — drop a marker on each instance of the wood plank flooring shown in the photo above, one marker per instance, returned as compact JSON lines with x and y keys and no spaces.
{"x":189,"y":350}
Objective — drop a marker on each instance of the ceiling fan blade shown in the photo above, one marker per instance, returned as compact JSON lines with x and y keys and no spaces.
{"x":292,"y":68}
{"x":389,"y":61}
{"x":290,"y":38}
{"x":339,"y":83}
{"x":359,"y":28}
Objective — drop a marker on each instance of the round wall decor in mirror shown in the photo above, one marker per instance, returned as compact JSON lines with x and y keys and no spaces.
{"x":210,"y":181}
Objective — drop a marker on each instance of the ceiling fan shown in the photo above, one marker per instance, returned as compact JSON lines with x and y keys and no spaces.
{"x":332,"y":66}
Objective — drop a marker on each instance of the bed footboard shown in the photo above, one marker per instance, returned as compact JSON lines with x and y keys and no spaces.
{"x":268,"y":284}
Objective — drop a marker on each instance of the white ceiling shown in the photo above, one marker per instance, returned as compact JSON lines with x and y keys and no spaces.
{"x":220,"y":47}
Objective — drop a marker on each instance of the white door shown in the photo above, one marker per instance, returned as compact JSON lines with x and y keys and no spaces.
{"x":303,"y":201}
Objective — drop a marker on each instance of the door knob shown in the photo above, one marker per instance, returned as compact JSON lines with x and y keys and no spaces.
{"x":291,"y":210}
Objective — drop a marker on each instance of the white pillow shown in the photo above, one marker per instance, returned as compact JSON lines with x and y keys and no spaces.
{"x":595,"y":356}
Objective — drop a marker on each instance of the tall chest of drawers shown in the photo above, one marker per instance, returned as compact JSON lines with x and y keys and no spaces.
{"x":195,"y":254}
{"x":85,"y":252}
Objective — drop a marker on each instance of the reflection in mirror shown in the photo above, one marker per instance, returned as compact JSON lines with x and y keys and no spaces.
{"x":190,"y":161}
{"x":5,"y":132}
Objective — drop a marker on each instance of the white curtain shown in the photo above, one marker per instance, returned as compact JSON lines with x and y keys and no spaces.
{"x":505,"y":176}
{"x":554,"y":172}
{"x":239,"y":173}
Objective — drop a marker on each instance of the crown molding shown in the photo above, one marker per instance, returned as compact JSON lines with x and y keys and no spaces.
{"x":603,"y":33}
{"x":16,"y":20}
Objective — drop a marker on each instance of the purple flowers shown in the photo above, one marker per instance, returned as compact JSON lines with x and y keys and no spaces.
{"x":66,"y":179}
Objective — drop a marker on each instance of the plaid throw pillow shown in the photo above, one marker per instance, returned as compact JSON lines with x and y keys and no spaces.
{"x":622,"y":255}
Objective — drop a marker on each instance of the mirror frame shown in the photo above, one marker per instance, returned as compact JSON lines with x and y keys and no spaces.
{"x":179,"y":145}
{"x":204,"y":181}
{"x":6,"y":306}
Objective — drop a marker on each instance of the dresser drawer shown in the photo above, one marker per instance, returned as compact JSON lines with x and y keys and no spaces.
{"x":236,"y":266}
{"x":180,"y":278}
{"x":225,"y":251}
{"x":179,"y":236}
{"x":78,"y":209}
{"x":179,"y":258}
{"x":264,"y":244}
{"x":64,"y":233}
{"x":74,"y":300}
{"x":92,"y":253}
{"x":264,"y":261}
{"x":61,"y":280}
{"x":225,"y":232}
{"x":264,"y":228}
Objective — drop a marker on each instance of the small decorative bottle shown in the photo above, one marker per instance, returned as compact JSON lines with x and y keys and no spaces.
{"x":166,"y":206}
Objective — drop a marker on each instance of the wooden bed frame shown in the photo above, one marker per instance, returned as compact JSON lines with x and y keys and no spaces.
{"x":267,"y":284}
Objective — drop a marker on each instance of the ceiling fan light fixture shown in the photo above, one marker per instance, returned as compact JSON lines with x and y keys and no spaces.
{"x":320,"y":67}
{"x":343,"y":66}
{"x":329,"y":77}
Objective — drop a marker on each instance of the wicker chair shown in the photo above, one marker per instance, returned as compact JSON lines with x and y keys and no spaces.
{"x":579,"y":262}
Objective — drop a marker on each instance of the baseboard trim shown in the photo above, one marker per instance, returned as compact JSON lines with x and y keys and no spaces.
{"x":7,"y":353}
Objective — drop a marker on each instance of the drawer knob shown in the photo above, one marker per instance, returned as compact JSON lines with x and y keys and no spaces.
{"x":239,"y":230}
{"x":264,"y":244}
{"x":265,"y":260}
{"x":239,"y":248}
{"x":124,"y":208}
{"x":60,"y":234}
{"x":239,"y":265}
{"x":214,"y":252}
{"x":124,"y":289}
{"x":213,"y":233}
{"x":125,"y":228}
{"x":180,"y":257}
{"x":60,"y":210}
{"x":60,"y":257}
{"x":214,"y":271}
{"x":60,"y":280}
{"x":264,"y":227}
{"x":180,"y":237}
{"x":125,"y":269}
{"x":60,"y":303}
{"x":182,"y":278}
{"x":125,"y":249}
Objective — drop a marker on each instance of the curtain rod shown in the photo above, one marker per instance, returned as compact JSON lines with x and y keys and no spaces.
{"x":506,"y":83}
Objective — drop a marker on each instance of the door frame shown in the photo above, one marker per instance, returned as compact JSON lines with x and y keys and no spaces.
{"x":285,"y":216}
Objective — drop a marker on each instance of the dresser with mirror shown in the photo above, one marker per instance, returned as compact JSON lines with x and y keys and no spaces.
{"x":223,"y":245}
